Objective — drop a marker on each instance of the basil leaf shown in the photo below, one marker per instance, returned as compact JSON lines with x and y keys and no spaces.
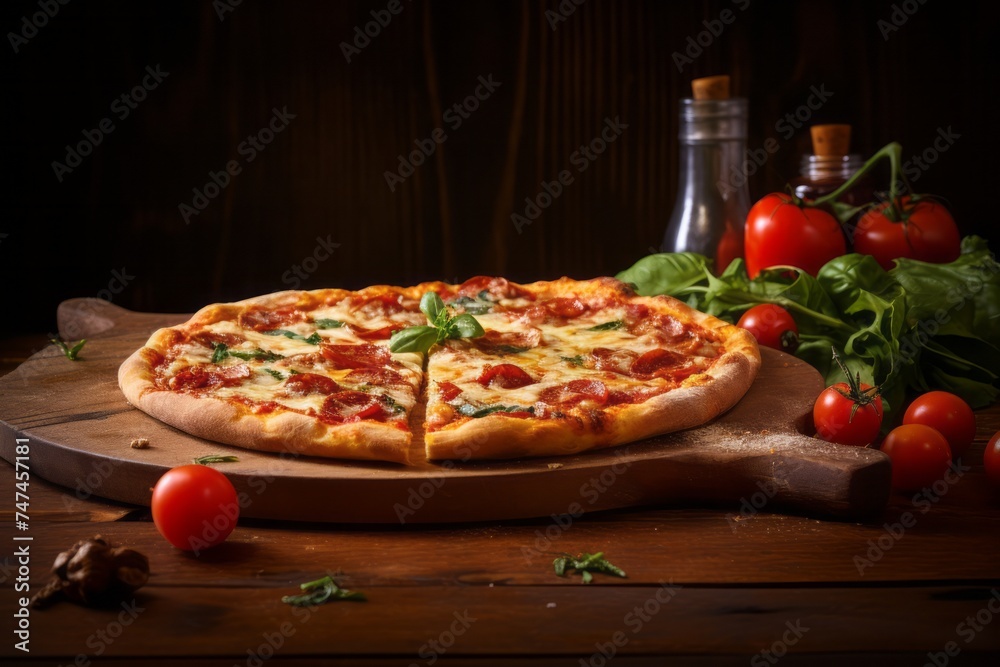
{"x":257,"y":355}
{"x":320,"y":591}
{"x":413,"y":339}
{"x":585,"y":564}
{"x":70,"y":352}
{"x":391,"y":404}
{"x":510,"y":349}
{"x":273,"y":373}
{"x":467,"y":327}
{"x":324,"y":323}
{"x":607,"y":326}
{"x":667,"y":273}
{"x":221,"y":351}
{"x":478,"y":305}
{"x":432,"y":306}
{"x":574,"y":361}
{"x":468,"y":410}
{"x":314,"y":339}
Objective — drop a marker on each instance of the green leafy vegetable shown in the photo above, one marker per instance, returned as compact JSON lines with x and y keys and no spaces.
{"x":510,"y":349}
{"x":585,"y":564}
{"x":607,"y":326}
{"x":274,"y":373}
{"x":320,"y":591}
{"x":222,"y":351}
{"x":391,"y":404}
{"x":574,"y":361}
{"x":215,"y":458}
{"x":314,"y":339}
{"x":467,"y":410}
{"x":478,"y":305}
{"x":918,"y":326}
{"x":70,"y":352}
{"x":442,"y":326}
{"x":324,"y":323}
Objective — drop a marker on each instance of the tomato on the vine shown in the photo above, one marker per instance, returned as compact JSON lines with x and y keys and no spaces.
{"x":195,"y":507}
{"x":915,"y":228}
{"x":781,"y":232}
{"x":991,"y":459}
{"x":848,"y":413}
{"x":947,"y":413}
{"x":920,"y":456}
{"x":846,"y":420}
{"x":772,"y":326}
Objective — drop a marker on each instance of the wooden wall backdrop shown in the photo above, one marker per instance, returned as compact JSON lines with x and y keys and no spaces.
{"x":323,"y":176}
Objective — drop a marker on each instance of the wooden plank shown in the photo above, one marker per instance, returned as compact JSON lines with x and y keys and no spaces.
{"x":693,"y":546}
{"x":78,"y":420}
{"x":560,"y":620}
{"x":49,"y":502}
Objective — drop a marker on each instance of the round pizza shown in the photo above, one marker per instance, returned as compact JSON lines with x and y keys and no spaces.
{"x":483,"y":370}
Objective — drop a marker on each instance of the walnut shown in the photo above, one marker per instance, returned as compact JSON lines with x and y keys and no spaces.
{"x":92,"y":572}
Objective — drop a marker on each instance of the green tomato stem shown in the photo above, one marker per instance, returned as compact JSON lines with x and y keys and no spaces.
{"x":894,"y":152}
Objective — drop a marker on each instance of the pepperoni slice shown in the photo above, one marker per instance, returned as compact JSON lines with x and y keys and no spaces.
{"x":352,"y":406}
{"x":632,"y":395}
{"x":302,"y":384}
{"x":365,"y":355}
{"x":448,"y":391}
{"x":200,"y":377}
{"x":574,"y":392}
{"x":566,"y":307}
{"x":506,"y":376}
{"x":380,"y":334}
{"x":616,"y":361}
{"x":372,"y":306}
{"x":655,"y":362}
{"x":498,"y":288}
{"x":261,"y":319}
{"x":508,"y":342}
{"x":380,"y":377}
{"x":635,"y":312}
{"x":207,"y":338}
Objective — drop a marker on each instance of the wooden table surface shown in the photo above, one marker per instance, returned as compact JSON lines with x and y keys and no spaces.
{"x":706,"y":586}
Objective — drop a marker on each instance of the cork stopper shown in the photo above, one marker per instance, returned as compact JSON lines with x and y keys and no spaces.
{"x":831,"y":139}
{"x":711,"y":88}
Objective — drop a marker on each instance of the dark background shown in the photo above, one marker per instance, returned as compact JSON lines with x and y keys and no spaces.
{"x":323,"y":176}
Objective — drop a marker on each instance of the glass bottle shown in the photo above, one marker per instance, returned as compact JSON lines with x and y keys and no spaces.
{"x":712,"y":195}
{"x":822,"y":174}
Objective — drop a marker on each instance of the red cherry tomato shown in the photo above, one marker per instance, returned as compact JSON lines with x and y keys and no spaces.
{"x":947,"y":413}
{"x":772,"y":326}
{"x":194,"y":507}
{"x":780,"y":233}
{"x":920,"y":456}
{"x":991,"y":459}
{"x":832,"y":415}
{"x":927,"y":233}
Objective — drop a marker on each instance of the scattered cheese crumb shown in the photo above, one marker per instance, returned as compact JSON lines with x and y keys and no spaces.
{"x":551,"y":605}
{"x":139,"y":443}
{"x":553,"y":466}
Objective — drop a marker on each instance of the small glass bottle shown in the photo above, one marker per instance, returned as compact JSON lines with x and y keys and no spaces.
{"x":830,"y":165}
{"x":712,"y":195}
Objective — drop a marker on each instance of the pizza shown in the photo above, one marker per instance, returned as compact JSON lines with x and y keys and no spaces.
{"x":552,"y":368}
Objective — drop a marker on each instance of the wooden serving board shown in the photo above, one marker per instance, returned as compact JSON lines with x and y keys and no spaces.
{"x":79,"y":427}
